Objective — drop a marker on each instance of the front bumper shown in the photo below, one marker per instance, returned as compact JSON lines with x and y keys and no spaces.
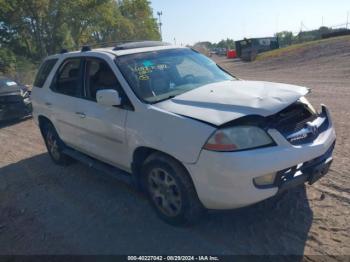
{"x":225,"y":180}
{"x":15,"y":110}
{"x":310,"y":171}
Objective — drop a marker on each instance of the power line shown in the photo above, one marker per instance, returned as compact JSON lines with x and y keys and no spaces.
{"x":302,"y":25}
{"x":304,"y":28}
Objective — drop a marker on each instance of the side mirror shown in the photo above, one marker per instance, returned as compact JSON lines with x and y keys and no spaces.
{"x":108,"y":97}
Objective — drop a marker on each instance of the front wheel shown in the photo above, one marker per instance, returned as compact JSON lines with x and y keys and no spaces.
{"x":171,"y":191}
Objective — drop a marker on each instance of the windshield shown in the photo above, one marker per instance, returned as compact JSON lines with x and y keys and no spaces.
{"x":7,"y":83}
{"x":160,"y":75}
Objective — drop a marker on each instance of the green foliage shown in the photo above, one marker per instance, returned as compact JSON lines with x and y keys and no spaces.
{"x":16,"y":67}
{"x":299,"y":48}
{"x":228,"y":43}
{"x":139,"y":13}
{"x":311,"y":35}
{"x":25,"y":70}
{"x":36,"y":28}
{"x":285,"y":38}
{"x":7,"y":61}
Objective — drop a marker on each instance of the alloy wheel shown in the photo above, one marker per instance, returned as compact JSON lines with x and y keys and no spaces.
{"x":165,"y":192}
{"x":52,"y":145}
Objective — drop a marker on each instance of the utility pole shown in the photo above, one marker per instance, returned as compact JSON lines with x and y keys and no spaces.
{"x":160,"y":23}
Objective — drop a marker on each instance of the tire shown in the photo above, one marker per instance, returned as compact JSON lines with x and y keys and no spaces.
{"x":170,"y":190}
{"x":55,"y":145}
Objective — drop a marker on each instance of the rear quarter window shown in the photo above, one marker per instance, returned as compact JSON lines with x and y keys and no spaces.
{"x":44,"y":72}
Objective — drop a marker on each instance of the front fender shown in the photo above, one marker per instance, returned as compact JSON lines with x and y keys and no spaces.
{"x":175,"y":135}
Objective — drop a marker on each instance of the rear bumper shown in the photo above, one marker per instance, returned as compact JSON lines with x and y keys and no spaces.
{"x":225,"y":180}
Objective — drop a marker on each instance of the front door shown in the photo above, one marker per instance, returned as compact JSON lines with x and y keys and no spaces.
{"x":102,"y":128}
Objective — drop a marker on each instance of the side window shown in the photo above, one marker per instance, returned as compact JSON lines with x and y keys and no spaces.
{"x":44,"y":72}
{"x":99,"y":76}
{"x":68,"y":78}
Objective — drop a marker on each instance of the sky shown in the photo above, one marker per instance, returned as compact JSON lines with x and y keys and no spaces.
{"x":191,"y":21}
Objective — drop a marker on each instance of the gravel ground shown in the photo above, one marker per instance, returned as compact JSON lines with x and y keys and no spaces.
{"x":46,"y":209}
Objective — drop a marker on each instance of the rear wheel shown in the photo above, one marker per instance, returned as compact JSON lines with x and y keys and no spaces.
{"x":170,"y":190}
{"x":55,"y":145}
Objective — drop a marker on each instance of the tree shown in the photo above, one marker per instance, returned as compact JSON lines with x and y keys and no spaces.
{"x":228,"y":44}
{"x":140,"y":15}
{"x":7,"y":61}
{"x":285,"y":38}
{"x":36,"y":28}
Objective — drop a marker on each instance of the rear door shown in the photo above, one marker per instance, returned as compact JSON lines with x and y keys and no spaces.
{"x":65,"y":90}
{"x":39,"y":92}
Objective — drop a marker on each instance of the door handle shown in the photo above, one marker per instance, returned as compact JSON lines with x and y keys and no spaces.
{"x":81,"y":114}
{"x":48,"y":104}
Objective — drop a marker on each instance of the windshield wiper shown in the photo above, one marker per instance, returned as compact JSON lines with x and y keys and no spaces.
{"x":164,"y":99}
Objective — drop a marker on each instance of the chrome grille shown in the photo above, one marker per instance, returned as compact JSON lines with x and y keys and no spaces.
{"x":298,"y":124}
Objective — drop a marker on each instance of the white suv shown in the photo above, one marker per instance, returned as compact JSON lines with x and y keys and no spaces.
{"x":188,"y":133}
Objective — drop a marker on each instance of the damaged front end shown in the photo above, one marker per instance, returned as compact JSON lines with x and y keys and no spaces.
{"x":14,"y":105}
{"x":300,"y":123}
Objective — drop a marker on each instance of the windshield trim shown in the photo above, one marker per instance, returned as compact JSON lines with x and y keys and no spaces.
{"x":171,"y":96}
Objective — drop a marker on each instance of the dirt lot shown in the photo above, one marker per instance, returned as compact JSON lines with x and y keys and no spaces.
{"x":46,"y":209}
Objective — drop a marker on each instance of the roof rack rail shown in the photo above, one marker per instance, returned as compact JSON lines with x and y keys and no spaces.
{"x":109,"y":43}
{"x":140,"y":44}
{"x":85,"y":48}
{"x":63,"y":51}
{"x":127,"y":44}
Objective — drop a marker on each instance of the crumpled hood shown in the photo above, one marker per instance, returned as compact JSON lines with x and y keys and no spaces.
{"x":222,"y":102}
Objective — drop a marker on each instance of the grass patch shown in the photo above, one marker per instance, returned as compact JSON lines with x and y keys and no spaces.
{"x":297,"y":47}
